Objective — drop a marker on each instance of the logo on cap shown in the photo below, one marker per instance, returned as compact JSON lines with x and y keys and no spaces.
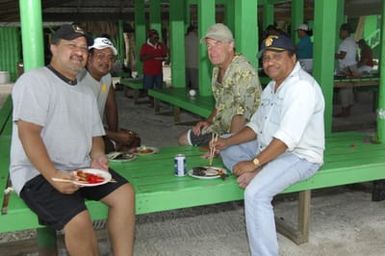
{"x":106,"y":41}
{"x":78,"y":29}
{"x":269,"y":40}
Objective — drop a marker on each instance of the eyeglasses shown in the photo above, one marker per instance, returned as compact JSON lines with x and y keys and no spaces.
{"x":102,"y":56}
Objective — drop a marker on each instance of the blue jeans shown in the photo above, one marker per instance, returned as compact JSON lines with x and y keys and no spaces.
{"x":152,"y":81}
{"x":274,"y":177}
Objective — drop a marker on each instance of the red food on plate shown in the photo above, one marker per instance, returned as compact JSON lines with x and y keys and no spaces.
{"x":89,"y":177}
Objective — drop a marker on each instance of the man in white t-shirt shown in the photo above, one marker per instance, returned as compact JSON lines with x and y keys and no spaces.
{"x":56,"y":131}
{"x":347,"y":59}
{"x":102,"y":55}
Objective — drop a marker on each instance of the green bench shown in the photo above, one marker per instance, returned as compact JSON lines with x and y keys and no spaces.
{"x":5,"y":117}
{"x":349,"y":158}
{"x":135,"y":84}
{"x":180,"y":99}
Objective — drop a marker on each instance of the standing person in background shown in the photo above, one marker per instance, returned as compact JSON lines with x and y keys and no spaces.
{"x":366,"y":63}
{"x":347,"y":60}
{"x":102,"y":55}
{"x":304,"y":48}
{"x":152,"y":54}
{"x":235,"y":85}
{"x":57,"y":130}
{"x":191,"y":53}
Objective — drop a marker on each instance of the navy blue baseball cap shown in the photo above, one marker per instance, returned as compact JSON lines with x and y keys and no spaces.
{"x":276,"y":43}
{"x":70,"y":32}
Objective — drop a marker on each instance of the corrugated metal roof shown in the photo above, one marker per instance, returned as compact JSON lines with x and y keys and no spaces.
{"x":88,"y":10}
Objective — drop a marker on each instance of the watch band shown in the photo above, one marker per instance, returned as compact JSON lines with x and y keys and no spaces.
{"x":256,"y":162}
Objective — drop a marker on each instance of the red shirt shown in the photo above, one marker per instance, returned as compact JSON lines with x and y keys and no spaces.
{"x":153,"y":66}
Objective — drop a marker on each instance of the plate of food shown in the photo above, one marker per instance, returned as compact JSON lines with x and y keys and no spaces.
{"x":145,"y":150}
{"x":207,"y":172}
{"x":90,"y":177}
{"x":120,"y":156}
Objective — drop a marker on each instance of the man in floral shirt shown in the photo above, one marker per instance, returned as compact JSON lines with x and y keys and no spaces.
{"x":236,"y":89}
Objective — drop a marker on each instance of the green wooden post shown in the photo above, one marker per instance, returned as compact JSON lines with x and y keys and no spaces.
{"x":324,"y":15}
{"x":246,"y":29}
{"x":268,"y":14}
{"x":381,"y":94}
{"x":155,"y":22}
{"x":32,"y":33}
{"x":187,"y":15}
{"x":297,"y":14}
{"x":178,"y":64}
{"x":341,"y":18}
{"x":230,"y":14}
{"x":206,"y":18}
{"x":33,"y":57}
{"x":120,"y":43}
{"x":140,"y":32}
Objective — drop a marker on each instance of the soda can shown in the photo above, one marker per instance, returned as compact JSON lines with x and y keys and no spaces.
{"x":180,"y":165}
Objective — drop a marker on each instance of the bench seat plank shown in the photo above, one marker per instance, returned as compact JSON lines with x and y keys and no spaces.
{"x":5,"y":116}
{"x":200,"y":105}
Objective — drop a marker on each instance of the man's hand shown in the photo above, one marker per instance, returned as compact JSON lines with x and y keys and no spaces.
{"x":63,"y":187}
{"x":100,"y":162}
{"x":243,"y":167}
{"x":199,"y":126}
{"x":219,"y":144}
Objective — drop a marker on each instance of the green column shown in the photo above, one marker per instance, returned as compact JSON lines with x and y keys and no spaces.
{"x":246,"y":29}
{"x":268,"y":14}
{"x":206,"y":18}
{"x":177,"y":51}
{"x":120,"y":42}
{"x":340,"y":19}
{"x":325,"y":15}
{"x":230,"y":14}
{"x":155,"y":22}
{"x":297,"y":13}
{"x":381,"y":94}
{"x":33,"y":57}
{"x":32,"y":33}
{"x":140,"y":32}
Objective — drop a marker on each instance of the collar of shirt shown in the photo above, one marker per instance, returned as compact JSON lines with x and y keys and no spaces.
{"x":295,"y":70}
{"x":62,"y":77}
{"x":152,"y":45}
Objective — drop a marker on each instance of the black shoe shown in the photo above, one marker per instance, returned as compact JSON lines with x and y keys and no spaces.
{"x":378,"y":192}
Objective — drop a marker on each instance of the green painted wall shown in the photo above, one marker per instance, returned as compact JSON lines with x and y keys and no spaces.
{"x":10,"y":50}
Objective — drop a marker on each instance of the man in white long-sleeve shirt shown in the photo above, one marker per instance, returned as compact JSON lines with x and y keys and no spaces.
{"x":281,"y":145}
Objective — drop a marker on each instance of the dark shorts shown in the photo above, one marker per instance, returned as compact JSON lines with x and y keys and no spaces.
{"x":55,"y":209}
{"x":201,"y":140}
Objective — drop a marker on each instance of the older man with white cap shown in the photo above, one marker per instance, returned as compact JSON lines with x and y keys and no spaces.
{"x":235,"y":85}
{"x":102,"y":55}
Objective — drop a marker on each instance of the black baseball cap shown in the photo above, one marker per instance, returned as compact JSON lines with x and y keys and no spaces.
{"x":277,"y":43}
{"x":70,"y":32}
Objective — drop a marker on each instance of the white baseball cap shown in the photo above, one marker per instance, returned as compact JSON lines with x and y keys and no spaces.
{"x":102,"y":43}
{"x":303,"y":27}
